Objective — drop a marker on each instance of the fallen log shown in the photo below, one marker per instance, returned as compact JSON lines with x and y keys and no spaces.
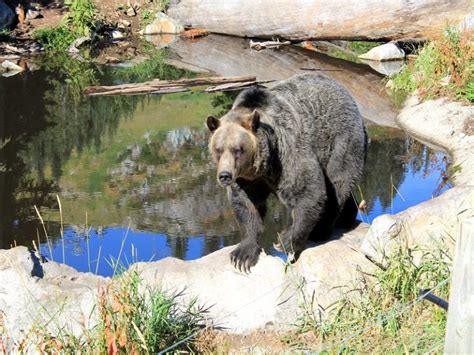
{"x":323,"y":19}
{"x":163,"y":86}
{"x":236,"y":86}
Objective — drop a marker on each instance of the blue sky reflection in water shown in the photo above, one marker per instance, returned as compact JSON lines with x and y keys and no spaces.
{"x":99,"y":253}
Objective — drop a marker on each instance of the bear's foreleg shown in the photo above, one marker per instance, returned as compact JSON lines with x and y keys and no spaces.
{"x":249,"y":209}
{"x":304,"y":192}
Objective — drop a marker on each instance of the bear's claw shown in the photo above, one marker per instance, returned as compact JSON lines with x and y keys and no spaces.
{"x":245,"y":256}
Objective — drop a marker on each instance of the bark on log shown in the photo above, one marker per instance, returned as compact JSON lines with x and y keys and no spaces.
{"x":163,"y":86}
{"x":323,"y":19}
{"x":231,"y":56}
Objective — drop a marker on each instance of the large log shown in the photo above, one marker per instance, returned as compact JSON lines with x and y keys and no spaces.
{"x":323,"y":19}
{"x":231,"y":56}
{"x":165,"y":86}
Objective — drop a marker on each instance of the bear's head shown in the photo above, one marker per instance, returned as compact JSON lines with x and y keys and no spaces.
{"x":233,"y":145}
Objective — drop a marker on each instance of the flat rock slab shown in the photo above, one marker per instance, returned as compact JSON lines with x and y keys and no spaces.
{"x":48,"y":295}
{"x":447,"y":124}
{"x":272,"y":293}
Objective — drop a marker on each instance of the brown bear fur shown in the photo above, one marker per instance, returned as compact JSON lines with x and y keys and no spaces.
{"x":303,"y":140}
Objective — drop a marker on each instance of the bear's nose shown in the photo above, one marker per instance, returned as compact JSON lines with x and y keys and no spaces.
{"x":225,"y":177}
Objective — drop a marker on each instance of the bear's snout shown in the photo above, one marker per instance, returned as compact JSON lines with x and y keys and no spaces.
{"x":225,"y":178}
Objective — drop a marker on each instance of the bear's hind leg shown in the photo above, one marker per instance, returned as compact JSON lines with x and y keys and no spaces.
{"x":348,"y":215}
{"x":306,"y":197}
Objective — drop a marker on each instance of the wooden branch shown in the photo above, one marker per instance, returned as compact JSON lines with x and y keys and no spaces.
{"x":268,"y":44}
{"x":236,"y":86}
{"x":319,"y":69}
{"x":460,"y":327}
{"x":163,"y":86}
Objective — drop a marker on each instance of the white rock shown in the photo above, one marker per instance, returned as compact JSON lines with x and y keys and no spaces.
{"x":163,"y":24}
{"x":382,"y":231}
{"x":239,"y":302}
{"x":436,"y":122}
{"x":31,"y":292}
{"x":33,"y":14}
{"x":386,"y":67}
{"x":117,"y":34}
{"x":10,"y":66}
{"x":387,"y":51}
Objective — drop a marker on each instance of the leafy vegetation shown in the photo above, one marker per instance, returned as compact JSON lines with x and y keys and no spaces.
{"x":384,"y":312}
{"x":152,"y":68}
{"x":361,"y":47}
{"x":4,"y":33}
{"x":78,"y":22}
{"x":353,"y":50}
{"x":443,"y":67}
{"x":132,"y":319}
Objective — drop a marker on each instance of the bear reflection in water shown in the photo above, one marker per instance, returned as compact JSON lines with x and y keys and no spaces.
{"x":304,"y":140}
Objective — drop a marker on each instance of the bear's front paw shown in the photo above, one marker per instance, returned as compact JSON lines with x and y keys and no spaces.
{"x":245,"y":256}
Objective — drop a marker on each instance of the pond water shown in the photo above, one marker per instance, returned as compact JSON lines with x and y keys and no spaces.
{"x":134,"y":176}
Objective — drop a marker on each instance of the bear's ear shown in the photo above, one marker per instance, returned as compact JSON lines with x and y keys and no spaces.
{"x":252,"y":121}
{"x":213,"y":123}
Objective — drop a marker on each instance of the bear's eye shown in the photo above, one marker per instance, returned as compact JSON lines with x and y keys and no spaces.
{"x":238,"y":151}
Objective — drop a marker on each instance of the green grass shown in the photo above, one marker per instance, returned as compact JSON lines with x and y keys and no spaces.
{"x":155,"y":67}
{"x":443,"y":67}
{"x":78,"y":22}
{"x":381,"y":311}
{"x":354,"y":49}
{"x":361,"y":47}
{"x":132,"y":319}
{"x":5,"y":33}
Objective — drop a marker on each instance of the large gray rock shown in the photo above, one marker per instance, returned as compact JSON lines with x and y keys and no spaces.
{"x":429,"y":224}
{"x":7,"y":16}
{"x":31,"y":293}
{"x":447,"y":124}
{"x":273,"y":292}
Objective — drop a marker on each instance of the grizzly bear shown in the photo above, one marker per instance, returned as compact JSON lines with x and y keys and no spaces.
{"x":303,"y":140}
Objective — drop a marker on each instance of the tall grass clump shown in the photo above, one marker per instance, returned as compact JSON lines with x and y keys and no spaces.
{"x":384,"y":312}
{"x":443,"y":67}
{"x":78,"y":22}
{"x":132,"y":319}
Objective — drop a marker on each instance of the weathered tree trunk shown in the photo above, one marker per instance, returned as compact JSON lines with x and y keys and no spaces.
{"x":323,"y":19}
{"x":168,"y":86}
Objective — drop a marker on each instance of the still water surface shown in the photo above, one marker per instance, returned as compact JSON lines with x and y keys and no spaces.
{"x":134,"y":175}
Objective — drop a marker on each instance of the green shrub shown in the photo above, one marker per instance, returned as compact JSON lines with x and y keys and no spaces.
{"x":444,"y":67}
{"x":78,"y":22}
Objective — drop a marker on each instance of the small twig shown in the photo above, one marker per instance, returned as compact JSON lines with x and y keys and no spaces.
{"x":267,"y":44}
{"x":320,"y":69}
